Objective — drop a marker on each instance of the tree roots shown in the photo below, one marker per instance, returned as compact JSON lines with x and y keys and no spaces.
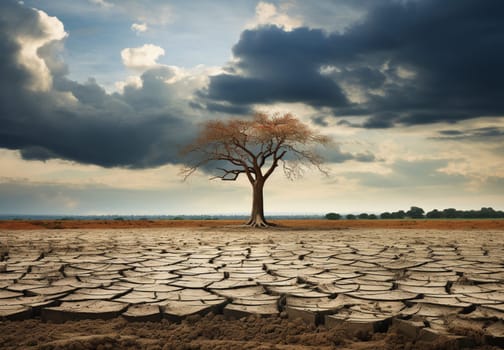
{"x":259,"y":224}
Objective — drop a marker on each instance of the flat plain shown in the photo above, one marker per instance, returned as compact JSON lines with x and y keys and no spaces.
{"x":206,"y":285}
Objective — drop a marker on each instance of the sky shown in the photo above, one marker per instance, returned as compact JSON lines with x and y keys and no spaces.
{"x":98,"y":97}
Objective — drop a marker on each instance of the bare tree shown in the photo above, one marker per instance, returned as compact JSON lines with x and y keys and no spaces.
{"x":255,"y":147}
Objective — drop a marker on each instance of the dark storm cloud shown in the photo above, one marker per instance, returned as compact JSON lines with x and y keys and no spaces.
{"x":140,"y":128}
{"x":222,"y":108}
{"x":13,"y":21}
{"x":451,"y":132}
{"x":415,"y":62}
{"x":278,"y":66}
{"x":320,"y":120}
{"x":334,"y":154}
{"x":478,"y":134}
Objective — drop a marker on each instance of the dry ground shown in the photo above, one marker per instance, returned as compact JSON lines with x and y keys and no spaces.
{"x":440,"y":224}
{"x":216,"y":332}
{"x":204,"y":333}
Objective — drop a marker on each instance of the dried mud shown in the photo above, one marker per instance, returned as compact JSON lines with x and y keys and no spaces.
{"x":385,"y":264}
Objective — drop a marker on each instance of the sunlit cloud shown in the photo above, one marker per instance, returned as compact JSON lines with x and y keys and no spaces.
{"x":139,"y":27}
{"x":142,"y":57}
{"x":269,"y":14}
{"x":51,"y":29}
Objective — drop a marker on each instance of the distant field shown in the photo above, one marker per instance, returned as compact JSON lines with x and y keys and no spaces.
{"x":439,"y":224}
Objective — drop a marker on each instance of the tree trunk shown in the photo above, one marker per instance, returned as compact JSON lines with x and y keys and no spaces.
{"x":257,"y":216}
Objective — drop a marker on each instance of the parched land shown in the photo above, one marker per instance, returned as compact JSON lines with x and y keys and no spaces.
{"x":231,"y":287}
{"x":438,"y":224}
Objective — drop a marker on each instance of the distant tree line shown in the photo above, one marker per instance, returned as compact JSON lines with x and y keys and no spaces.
{"x":419,"y":213}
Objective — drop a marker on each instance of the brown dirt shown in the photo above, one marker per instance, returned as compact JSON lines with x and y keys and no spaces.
{"x":441,"y":224}
{"x":209,"y":332}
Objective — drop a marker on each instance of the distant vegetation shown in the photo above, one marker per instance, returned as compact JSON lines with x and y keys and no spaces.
{"x":333,"y":216}
{"x":412,"y":213}
{"x":419,"y":213}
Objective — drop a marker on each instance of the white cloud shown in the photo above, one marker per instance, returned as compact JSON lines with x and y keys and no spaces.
{"x":133,"y":80}
{"x":267,"y":13}
{"x":405,"y":73}
{"x":30,"y":43}
{"x":102,"y":3}
{"x":198,"y":73}
{"x":152,"y":12}
{"x":139,"y":27}
{"x":143,"y":57}
{"x":186,"y":80}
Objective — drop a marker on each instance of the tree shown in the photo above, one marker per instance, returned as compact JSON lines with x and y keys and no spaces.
{"x":385,"y":215}
{"x":333,"y":216}
{"x":415,"y":213}
{"x":487,"y":212}
{"x":450,"y":213}
{"x":255,"y":147}
{"x":434,"y":214}
{"x":398,"y":214}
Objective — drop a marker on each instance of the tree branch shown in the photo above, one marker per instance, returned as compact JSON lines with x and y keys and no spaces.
{"x":248,"y":146}
{"x":234,"y":174}
{"x":275,"y":164}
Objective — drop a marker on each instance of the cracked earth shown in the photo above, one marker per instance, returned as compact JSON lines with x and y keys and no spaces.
{"x":425,"y":285}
